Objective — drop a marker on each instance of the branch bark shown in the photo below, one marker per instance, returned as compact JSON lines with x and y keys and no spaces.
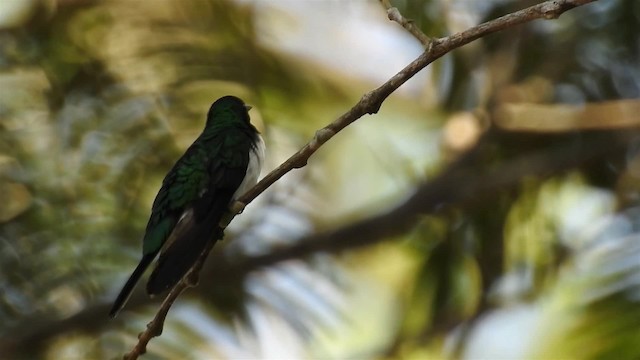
{"x":370,"y":103}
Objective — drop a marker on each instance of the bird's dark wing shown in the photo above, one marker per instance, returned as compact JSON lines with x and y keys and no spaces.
{"x":183,"y":186}
{"x":226,"y":173}
{"x":180,"y":188}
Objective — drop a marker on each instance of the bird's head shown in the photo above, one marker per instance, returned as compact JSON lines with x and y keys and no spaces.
{"x":228,"y":110}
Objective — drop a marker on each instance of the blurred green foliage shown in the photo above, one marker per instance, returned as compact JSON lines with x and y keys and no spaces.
{"x":98,"y":99}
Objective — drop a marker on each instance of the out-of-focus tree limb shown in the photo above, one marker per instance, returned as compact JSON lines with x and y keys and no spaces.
{"x":459,"y":185}
{"x":567,"y":117}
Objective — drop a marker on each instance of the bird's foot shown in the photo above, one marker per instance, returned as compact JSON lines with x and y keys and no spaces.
{"x":236,"y":207}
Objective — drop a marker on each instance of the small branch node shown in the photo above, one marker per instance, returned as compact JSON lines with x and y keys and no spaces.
{"x":367,"y":103}
{"x":554,"y":9}
{"x":299,"y":163}
{"x":192,"y":279}
{"x":322,"y":136}
{"x":370,"y":103}
{"x":394,"y":15}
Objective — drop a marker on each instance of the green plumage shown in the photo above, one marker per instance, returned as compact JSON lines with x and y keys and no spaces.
{"x":195,"y":194}
{"x":179,"y":189}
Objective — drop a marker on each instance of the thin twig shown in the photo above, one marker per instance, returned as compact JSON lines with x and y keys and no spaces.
{"x":370,"y":103}
{"x":394,"y":15}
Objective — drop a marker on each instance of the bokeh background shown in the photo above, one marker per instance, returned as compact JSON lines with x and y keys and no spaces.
{"x":99,"y":98}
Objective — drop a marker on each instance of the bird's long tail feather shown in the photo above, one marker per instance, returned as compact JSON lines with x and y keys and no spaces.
{"x":125,"y":293}
{"x":181,"y":255}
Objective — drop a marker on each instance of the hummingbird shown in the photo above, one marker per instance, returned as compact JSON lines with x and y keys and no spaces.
{"x":220,"y":165}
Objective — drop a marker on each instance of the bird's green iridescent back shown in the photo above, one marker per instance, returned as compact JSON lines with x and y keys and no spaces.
{"x":195,"y":194}
{"x":181,"y":186}
{"x":221,"y":146}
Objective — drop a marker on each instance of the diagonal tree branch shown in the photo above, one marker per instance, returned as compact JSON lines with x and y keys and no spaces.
{"x":370,"y":103}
